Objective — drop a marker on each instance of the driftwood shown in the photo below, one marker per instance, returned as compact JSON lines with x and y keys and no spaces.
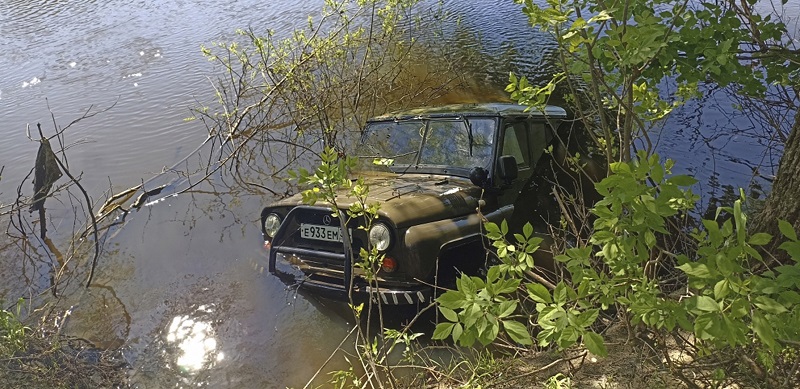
{"x":146,"y":195}
{"x":118,"y":200}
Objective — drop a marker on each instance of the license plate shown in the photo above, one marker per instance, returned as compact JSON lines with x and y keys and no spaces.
{"x":317,"y":232}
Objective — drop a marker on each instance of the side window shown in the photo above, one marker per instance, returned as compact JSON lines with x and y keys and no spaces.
{"x":515,"y":143}
{"x":539,"y":138}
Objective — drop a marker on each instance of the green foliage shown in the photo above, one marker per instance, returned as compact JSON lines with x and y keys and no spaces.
{"x":331,"y":179}
{"x":331,"y":184}
{"x":341,"y":379}
{"x":726,"y":304}
{"x":13,"y":334}
{"x":618,"y":57}
{"x":516,"y":258}
{"x":330,"y":176}
{"x":320,"y":82}
{"x":476,"y":310}
{"x":729,"y":303}
{"x":401,"y":338}
{"x":558,"y":381}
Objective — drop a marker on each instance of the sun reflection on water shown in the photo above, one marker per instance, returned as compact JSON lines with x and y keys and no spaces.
{"x":194,"y":340}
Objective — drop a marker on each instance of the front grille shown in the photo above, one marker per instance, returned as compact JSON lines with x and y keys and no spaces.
{"x":290,"y":236}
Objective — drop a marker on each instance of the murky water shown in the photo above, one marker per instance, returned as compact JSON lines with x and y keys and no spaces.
{"x":182,"y":288}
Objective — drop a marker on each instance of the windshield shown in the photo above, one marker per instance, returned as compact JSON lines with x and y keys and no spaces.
{"x":442,"y":142}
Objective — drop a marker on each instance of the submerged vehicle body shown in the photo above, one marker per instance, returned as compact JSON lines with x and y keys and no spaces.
{"x":438,"y":174}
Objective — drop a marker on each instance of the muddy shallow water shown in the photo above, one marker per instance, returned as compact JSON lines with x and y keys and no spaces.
{"x":181,"y":286}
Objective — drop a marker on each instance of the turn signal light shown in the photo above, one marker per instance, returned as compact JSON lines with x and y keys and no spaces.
{"x":389,"y":264}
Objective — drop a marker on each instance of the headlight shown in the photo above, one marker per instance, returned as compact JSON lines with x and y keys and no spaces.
{"x":271,"y":224}
{"x":380,"y":237}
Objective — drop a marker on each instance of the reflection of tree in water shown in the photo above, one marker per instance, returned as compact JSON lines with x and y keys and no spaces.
{"x":449,"y":143}
{"x":396,"y":141}
{"x":722,"y":195}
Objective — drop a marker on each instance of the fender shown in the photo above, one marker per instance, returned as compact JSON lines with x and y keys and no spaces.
{"x":426,"y":241}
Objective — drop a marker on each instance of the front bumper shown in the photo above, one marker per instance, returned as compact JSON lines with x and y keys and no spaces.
{"x":331,"y":273}
{"x":284,"y":263}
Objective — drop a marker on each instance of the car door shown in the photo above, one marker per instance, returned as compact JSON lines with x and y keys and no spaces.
{"x":514,"y":141}
{"x":531,"y":193}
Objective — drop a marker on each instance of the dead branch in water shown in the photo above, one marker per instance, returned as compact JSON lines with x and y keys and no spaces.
{"x":51,"y":163}
{"x":88,"y":206}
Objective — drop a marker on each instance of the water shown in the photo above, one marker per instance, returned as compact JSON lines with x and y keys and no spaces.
{"x":182,"y":287}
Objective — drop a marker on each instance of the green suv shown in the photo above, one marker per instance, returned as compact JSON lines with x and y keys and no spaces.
{"x":439,"y":173}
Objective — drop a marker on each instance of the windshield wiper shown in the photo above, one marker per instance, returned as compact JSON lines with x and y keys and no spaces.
{"x":389,"y":157}
{"x":469,"y":134}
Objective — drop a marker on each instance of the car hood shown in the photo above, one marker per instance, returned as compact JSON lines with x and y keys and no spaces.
{"x":409,"y":199}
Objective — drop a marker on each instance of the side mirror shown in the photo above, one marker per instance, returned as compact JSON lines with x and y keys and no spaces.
{"x":507,"y":168}
{"x":479,"y":176}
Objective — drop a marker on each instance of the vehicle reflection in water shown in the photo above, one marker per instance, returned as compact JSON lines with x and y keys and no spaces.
{"x":194,"y":341}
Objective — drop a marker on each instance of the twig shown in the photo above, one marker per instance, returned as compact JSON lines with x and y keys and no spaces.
{"x":91,"y":213}
{"x":274,"y":193}
{"x":330,"y":356}
{"x":540,"y":279}
{"x":539,"y":370}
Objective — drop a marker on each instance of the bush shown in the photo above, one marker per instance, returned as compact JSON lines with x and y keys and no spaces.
{"x":728,"y":299}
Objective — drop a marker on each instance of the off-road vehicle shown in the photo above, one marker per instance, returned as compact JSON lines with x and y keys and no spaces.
{"x":439,"y":173}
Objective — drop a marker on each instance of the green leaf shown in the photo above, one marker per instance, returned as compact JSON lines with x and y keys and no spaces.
{"x":527,"y":230}
{"x":769,"y":305}
{"x":507,"y":286}
{"x":721,"y":289}
{"x":560,"y":293}
{"x":760,"y":239}
{"x":739,"y":308}
{"x":694,"y":269}
{"x":493,"y":274}
{"x":448,"y":314}
{"x":707,"y":304}
{"x":682,"y":180}
{"x":741,"y":220}
{"x":764,"y":330}
{"x":657,"y":173}
{"x":458,"y":330}
{"x":787,"y":230}
{"x":792,"y":248}
{"x":451,"y":299}
{"x":791,"y":297}
{"x":507,"y":308}
{"x":467,"y":339}
{"x":539,"y":293}
{"x":594,"y":343}
{"x":467,"y":284}
{"x":442,"y":330}
{"x":383,"y":161}
{"x":517,"y":332}
{"x":587,"y":318}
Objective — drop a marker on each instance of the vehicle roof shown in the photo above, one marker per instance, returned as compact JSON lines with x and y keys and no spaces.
{"x":479,"y":109}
